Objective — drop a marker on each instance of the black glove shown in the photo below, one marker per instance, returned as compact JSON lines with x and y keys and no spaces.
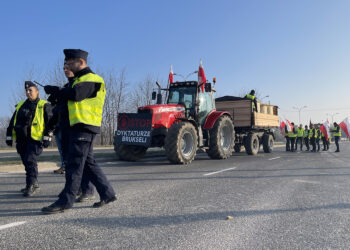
{"x":46,"y":141}
{"x":9,"y":141}
{"x":51,"y":89}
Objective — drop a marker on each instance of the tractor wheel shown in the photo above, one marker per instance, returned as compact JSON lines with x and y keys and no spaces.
{"x":268,"y":142}
{"x":130,"y":152}
{"x":181,"y":143}
{"x":252,"y":144}
{"x":222,"y":138}
{"x":237,"y":148}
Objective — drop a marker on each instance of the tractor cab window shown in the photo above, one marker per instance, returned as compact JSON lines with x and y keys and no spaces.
{"x":206,"y":105}
{"x":183,"y":96}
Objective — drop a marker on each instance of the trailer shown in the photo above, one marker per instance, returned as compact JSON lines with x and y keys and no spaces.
{"x":252,"y":129}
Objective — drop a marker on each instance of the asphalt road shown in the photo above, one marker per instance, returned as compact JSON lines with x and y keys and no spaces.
{"x":277,"y":201}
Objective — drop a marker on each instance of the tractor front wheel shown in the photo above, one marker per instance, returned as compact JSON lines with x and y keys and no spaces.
{"x":130,"y":152}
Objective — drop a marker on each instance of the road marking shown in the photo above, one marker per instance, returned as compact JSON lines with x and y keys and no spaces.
{"x":306,"y":181}
{"x":14,"y":224}
{"x":274,"y":158}
{"x":219,"y":171}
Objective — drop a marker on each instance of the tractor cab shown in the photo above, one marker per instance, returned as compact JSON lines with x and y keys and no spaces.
{"x":198,"y":104}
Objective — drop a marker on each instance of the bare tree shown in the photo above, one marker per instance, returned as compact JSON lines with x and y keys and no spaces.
{"x":142,"y":94}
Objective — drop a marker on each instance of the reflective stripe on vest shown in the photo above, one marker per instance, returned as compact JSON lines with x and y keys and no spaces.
{"x":38,"y":123}
{"x":300,"y":132}
{"x":311,"y":132}
{"x":306,"y":133}
{"x":88,"y":111}
{"x":251,"y":97}
{"x":335,"y":131}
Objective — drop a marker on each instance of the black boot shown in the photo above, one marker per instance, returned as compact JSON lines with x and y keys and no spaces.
{"x":104,"y":202}
{"x":54,"y":208}
{"x":31,"y":190}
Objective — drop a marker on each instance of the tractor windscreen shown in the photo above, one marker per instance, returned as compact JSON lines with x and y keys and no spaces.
{"x":183,"y":96}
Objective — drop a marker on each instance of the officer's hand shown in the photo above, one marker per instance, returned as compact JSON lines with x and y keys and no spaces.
{"x":9,"y":141}
{"x":51,"y":89}
{"x":52,"y":99}
{"x":46,"y":141}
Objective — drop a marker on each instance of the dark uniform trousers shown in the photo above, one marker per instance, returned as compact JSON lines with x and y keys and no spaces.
{"x":313,"y":143}
{"x":287,"y":143}
{"x":81,"y":164}
{"x":292,"y":144}
{"x":301,"y":143}
{"x":318,"y":144}
{"x":306,"y":141}
{"x":336,"y":141}
{"x":29,"y":150}
{"x":86,"y":186}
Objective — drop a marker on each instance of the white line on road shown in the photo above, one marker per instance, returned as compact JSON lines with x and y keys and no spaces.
{"x":307,"y":181}
{"x":14,"y":224}
{"x":219,"y":171}
{"x":274,"y":158}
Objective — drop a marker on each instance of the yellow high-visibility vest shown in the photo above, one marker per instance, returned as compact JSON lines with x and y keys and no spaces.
{"x":300,"y":132}
{"x":251,"y":97}
{"x":88,"y":111}
{"x":38,"y":123}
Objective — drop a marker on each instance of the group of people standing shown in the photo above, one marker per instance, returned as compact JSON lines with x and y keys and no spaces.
{"x":74,"y":111}
{"x":310,"y":136}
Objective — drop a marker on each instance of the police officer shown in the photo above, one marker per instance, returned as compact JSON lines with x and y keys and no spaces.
{"x":251,"y":96}
{"x":318,"y":137}
{"x":337,"y":134}
{"x":61,"y":118}
{"x":312,"y":137}
{"x":29,"y":128}
{"x":293,"y":136}
{"x":300,"y":135}
{"x":306,"y":138}
{"x":85,"y":99}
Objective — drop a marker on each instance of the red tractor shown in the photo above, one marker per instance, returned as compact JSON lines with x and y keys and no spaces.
{"x":187,"y":122}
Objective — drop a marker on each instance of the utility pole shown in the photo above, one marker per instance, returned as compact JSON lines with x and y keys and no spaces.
{"x":299,"y":110}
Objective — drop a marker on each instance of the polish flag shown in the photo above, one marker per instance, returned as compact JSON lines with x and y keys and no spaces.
{"x":289,"y":125}
{"x":201,"y":75}
{"x":345,"y":126}
{"x":171,"y":75}
{"x":325,"y":129}
{"x":282,"y":126}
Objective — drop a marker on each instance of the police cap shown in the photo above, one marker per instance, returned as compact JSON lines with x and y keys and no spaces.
{"x":75,"y":53}
{"x":28,"y":84}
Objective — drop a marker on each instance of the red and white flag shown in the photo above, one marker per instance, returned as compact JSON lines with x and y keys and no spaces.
{"x":282,"y":126}
{"x":289,"y":126}
{"x":171,"y":75}
{"x":325,"y":129}
{"x":201,"y":75}
{"x":345,"y":126}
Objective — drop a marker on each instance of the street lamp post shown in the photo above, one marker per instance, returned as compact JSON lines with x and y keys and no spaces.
{"x":299,"y":110}
{"x":332,"y":115}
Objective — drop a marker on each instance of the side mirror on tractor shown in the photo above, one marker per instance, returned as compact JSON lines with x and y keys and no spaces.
{"x":154,"y":95}
{"x":208,"y":87}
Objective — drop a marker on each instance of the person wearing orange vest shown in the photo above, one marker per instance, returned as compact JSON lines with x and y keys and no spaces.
{"x":85,"y":99}
{"x":30,"y":128}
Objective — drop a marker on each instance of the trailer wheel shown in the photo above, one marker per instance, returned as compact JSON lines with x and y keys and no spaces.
{"x":252,"y":144}
{"x":130,"y":152}
{"x":268,"y":142}
{"x":181,"y":143}
{"x":237,"y":148}
{"x":222,"y":138}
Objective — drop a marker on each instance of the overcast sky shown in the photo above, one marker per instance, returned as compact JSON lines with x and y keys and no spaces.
{"x":297,"y":52}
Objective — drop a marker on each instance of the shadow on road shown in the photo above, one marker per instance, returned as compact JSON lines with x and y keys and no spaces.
{"x":151,"y":221}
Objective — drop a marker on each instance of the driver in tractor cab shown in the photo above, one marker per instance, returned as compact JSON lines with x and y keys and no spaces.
{"x":251,"y":96}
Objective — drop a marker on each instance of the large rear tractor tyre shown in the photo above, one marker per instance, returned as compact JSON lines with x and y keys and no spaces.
{"x":130,"y":152}
{"x":252,"y":144}
{"x":222,"y":139}
{"x":181,"y":143}
{"x":268,"y":143}
{"x":237,"y":148}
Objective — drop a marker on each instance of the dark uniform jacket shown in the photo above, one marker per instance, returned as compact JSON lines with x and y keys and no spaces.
{"x":25,"y":118}
{"x":78,"y":93}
